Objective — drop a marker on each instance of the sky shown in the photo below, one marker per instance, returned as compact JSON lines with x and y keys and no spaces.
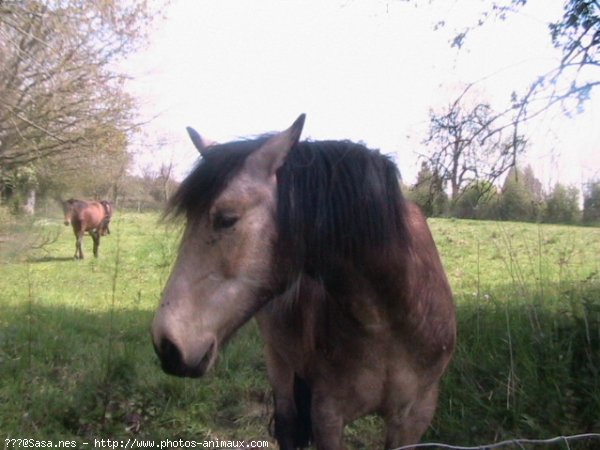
{"x":365,"y":70}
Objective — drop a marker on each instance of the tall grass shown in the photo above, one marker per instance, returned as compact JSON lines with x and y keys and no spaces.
{"x":76,"y":359}
{"x":527,"y":362}
{"x":523,"y":369}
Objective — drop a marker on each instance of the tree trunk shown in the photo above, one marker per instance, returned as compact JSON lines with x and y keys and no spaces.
{"x":29,"y":206}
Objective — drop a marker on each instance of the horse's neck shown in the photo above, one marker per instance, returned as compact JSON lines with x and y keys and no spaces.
{"x":354,"y":294}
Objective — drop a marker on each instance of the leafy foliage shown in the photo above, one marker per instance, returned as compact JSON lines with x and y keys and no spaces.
{"x":591,"y":203}
{"x":476,"y":201}
{"x":562,"y":205}
{"x":521,"y":198}
{"x":428,"y":193}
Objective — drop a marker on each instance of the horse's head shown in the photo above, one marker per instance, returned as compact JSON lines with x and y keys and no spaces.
{"x":67,"y":206}
{"x":222,"y":275}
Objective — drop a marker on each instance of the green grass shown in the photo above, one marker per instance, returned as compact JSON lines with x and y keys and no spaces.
{"x":76,"y":359}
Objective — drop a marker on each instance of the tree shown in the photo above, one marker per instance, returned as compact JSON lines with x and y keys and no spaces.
{"x":148,"y":191}
{"x":16,"y":185}
{"x":569,"y":84}
{"x":62,"y":103}
{"x":477,"y":201}
{"x":591,"y":203}
{"x":531,"y":183}
{"x":428,"y":193}
{"x":577,"y":36}
{"x":464,"y":148}
{"x":521,"y":198}
{"x":562,"y":205}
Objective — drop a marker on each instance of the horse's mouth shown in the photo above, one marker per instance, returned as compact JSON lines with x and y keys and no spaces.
{"x":173,"y":363}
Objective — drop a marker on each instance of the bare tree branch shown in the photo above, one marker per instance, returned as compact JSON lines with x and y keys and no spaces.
{"x":60,"y":97}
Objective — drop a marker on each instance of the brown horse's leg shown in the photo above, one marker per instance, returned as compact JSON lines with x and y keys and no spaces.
{"x":78,"y":246}
{"x":406,"y":425}
{"x":327,"y":422}
{"x":96,"y":238}
{"x":78,"y":239}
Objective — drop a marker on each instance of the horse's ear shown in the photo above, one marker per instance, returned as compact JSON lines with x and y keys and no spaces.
{"x":200,"y":143}
{"x":266,"y":160}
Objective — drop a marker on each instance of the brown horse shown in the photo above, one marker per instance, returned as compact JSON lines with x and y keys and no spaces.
{"x":315,"y":240}
{"x":91,"y":216}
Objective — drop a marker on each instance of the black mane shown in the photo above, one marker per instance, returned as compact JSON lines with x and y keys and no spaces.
{"x":336,"y":200}
{"x":219,"y":164}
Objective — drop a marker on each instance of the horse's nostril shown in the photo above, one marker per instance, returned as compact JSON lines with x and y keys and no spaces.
{"x":170,"y":357}
{"x":173,"y":363}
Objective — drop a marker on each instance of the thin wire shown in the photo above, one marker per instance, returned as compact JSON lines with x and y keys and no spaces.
{"x":566,"y":439}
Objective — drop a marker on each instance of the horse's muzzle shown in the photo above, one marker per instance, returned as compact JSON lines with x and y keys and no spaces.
{"x":173,"y":363}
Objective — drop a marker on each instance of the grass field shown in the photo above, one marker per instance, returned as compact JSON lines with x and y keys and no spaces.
{"x":76,"y":360}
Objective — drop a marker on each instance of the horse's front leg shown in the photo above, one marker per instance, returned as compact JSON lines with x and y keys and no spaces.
{"x":281,"y":377}
{"x":96,"y":238}
{"x":291,"y":425}
{"x":406,"y":423}
{"x":327,"y":421}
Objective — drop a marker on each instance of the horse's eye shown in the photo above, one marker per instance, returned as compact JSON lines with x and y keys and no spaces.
{"x":224,"y":221}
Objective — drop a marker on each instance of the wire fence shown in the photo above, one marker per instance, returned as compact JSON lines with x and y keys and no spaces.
{"x":512,"y":443}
